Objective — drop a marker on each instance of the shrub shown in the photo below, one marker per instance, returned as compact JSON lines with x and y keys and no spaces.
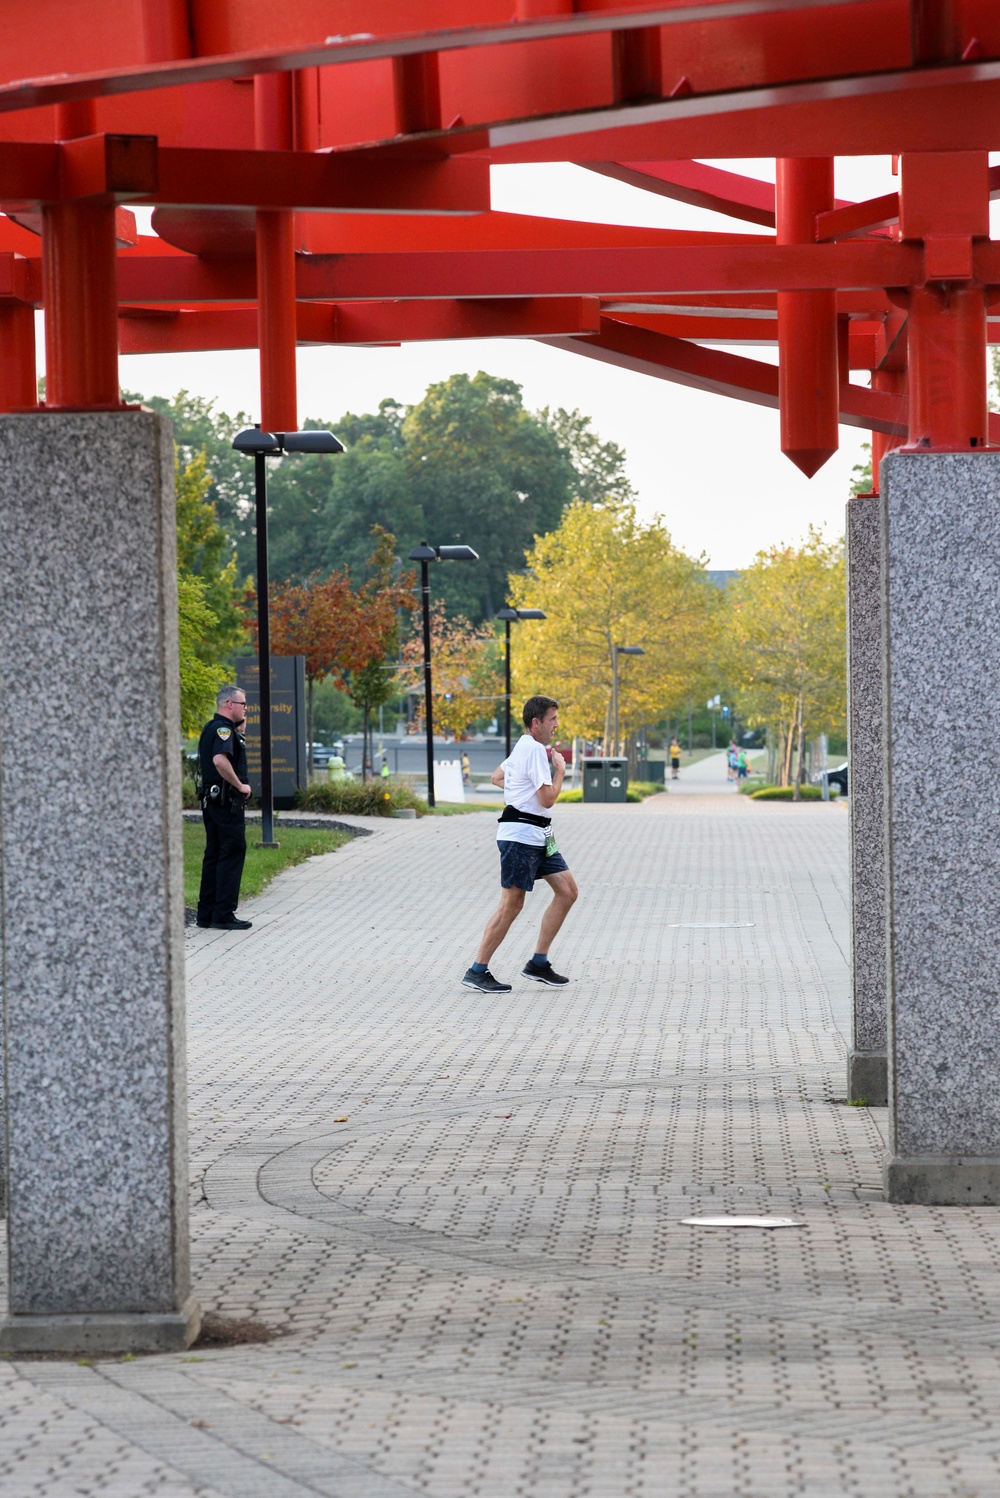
{"x":368,"y":798}
{"x":189,"y":796}
{"x":646,"y":788}
{"x":632,"y":793}
{"x":787,"y":793}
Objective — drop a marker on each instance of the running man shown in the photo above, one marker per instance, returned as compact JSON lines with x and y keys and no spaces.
{"x":527,"y":848}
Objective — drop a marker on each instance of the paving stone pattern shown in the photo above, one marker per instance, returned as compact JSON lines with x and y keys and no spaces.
{"x":464,"y":1215}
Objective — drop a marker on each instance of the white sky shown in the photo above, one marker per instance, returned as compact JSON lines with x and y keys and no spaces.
{"x":711,"y":465}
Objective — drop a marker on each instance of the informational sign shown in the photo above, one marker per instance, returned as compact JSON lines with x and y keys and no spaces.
{"x":288,"y":724}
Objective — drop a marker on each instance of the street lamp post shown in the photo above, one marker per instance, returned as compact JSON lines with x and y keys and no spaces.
{"x":425,"y":554}
{"x":507,"y":615}
{"x":616,"y":651}
{"x":261,"y":446}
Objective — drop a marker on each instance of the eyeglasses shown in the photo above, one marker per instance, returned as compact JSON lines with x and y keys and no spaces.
{"x":234,"y":703}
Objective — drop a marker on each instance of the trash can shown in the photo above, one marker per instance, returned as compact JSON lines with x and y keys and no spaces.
{"x":653,"y":770}
{"x":593,"y":780}
{"x":615,"y":779}
{"x":605,"y":779}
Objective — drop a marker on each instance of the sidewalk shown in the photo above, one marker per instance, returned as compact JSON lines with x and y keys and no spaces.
{"x":464,"y":1216}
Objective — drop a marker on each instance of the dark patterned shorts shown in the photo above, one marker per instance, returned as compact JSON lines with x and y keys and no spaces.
{"x":522,"y":863}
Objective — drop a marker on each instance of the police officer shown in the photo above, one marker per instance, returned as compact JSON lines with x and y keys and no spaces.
{"x":222,"y":761}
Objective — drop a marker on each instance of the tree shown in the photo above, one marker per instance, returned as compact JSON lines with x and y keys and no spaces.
{"x":784,"y":646}
{"x":380,"y":602}
{"x":339,"y":630}
{"x":210,"y":627}
{"x":604,"y":578}
{"x":199,"y":679}
{"x":599,"y":467}
{"x":199,"y":428}
{"x":484,"y":471}
{"x":466,"y":672}
{"x":861,"y":473}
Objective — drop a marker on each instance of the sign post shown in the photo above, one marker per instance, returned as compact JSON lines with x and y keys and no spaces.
{"x":288,"y":724}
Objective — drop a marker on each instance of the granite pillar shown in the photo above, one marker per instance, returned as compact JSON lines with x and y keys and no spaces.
{"x":91,"y":917}
{"x":941,"y":517}
{"x":866,"y":1061}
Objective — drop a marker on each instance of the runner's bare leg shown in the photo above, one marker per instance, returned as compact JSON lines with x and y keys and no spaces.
{"x":564,"y":893}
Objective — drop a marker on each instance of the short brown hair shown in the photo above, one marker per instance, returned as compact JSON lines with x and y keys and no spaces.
{"x":537,"y":707}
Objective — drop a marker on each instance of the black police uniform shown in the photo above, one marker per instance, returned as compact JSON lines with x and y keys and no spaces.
{"x":222,"y":810}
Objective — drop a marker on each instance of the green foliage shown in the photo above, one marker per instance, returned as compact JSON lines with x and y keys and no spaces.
{"x":598,"y":467}
{"x":607,"y":578}
{"x":370,"y":798}
{"x":210,"y":627}
{"x":646,"y":788}
{"x":635,"y":792}
{"x":484,"y":471}
{"x":466,"y":463}
{"x":205,"y":551}
{"x":198,"y":428}
{"x":861,"y":473}
{"x":787,"y":793}
{"x":783,"y":648}
{"x":200,"y":680}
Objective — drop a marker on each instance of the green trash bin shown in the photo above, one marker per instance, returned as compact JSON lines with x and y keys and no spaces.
{"x":615,"y":779}
{"x":594,"y":780}
{"x":653,"y":770}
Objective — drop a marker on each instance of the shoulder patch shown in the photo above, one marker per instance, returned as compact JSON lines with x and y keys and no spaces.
{"x":223,"y":733}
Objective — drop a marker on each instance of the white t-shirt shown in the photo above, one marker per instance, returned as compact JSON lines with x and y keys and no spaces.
{"x":526,"y":769}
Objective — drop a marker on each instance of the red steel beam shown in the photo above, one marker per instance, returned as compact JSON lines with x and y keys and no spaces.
{"x":720,"y":372}
{"x":699,"y":185}
{"x":118,"y":167}
{"x":302,"y":37}
{"x":156,"y":331}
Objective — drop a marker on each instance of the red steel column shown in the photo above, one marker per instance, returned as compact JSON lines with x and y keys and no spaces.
{"x":17,"y":358}
{"x":276,"y":265}
{"x":808,"y":363}
{"x":944,"y":201}
{"x":946,"y":340}
{"x":79,"y":291}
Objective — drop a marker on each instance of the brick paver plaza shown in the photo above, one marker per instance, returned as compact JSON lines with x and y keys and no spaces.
{"x":464,"y":1216}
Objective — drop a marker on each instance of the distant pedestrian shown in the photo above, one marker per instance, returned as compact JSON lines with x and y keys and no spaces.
{"x":528,"y":851}
{"x":731,"y":761}
{"x":742,"y":765}
{"x":223,"y":793}
{"x":675,"y":759}
{"x":466,"y":769}
{"x":384,"y":772}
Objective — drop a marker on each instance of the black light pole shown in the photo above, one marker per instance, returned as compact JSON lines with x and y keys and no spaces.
{"x":507,"y":615}
{"x":261,"y":446}
{"x":425,"y":554}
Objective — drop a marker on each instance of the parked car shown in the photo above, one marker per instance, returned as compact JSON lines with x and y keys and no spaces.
{"x":837,"y":777}
{"x":321,"y":755}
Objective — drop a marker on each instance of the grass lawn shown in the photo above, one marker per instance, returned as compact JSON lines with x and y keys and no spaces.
{"x":297,"y":844}
{"x":461,"y":808}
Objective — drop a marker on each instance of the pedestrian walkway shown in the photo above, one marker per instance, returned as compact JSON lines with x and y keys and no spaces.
{"x":464,"y":1216}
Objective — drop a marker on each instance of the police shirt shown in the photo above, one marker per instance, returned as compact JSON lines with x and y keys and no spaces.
{"x":221,"y":737}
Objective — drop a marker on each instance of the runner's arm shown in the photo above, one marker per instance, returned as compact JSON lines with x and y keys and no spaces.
{"x":497,"y":777}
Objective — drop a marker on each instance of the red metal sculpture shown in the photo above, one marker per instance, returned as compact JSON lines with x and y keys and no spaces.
{"x":320,"y":174}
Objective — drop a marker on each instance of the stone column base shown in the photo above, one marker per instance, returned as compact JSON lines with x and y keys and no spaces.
{"x":125,"y":1331}
{"x":868,"y":1078}
{"x":943,"y":1180}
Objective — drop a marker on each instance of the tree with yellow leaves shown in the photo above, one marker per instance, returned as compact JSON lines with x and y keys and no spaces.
{"x":784,"y":647}
{"x":605,"y":578}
